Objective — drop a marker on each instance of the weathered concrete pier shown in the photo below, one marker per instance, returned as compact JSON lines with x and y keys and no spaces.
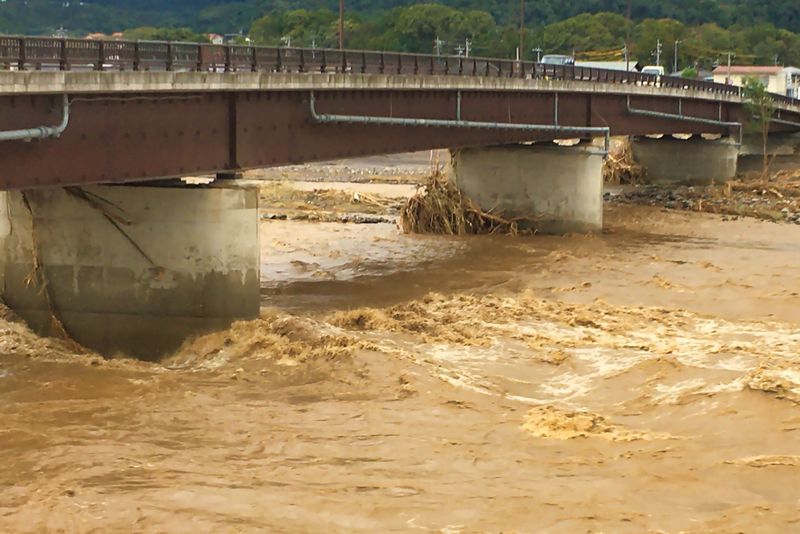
{"x":694,"y":161}
{"x":130,"y":269}
{"x":560,"y":189}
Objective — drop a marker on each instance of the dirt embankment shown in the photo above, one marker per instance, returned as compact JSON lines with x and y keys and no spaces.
{"x":776,"y":200}
{"x":288,"y":201}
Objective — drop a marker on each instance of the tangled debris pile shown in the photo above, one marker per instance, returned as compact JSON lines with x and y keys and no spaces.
{"x":777,"y":200}
{"x":439,"y":207}
{"x":620,"y":168}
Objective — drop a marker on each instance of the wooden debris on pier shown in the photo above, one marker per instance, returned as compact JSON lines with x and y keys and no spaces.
{"x":439,"y":207}
{"x":621,"y":168}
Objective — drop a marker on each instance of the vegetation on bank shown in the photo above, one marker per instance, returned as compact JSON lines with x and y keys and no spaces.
{"x":755,"y":31}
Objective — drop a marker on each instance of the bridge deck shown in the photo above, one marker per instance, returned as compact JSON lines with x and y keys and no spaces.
{"x":71,"y":82}
{"x":184,"y":117}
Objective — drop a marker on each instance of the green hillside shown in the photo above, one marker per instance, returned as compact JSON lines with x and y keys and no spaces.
{"x":43,"y":16}
{"x":757,"y":31}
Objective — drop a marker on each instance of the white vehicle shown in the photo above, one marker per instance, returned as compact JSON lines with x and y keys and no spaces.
{"x":557,"y":59}
{"x":653,"y":69}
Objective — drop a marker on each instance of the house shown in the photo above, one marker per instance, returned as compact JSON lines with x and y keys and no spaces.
{"x":103,"y":37}
{"x":779,"y":80}
{"x":215,"y":38}
{"x":702,"y":74}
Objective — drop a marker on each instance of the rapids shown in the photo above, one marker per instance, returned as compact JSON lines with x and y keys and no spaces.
{"x":645,"y":380}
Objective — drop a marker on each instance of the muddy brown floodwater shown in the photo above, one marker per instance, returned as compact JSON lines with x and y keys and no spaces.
{"x":645,"y":380}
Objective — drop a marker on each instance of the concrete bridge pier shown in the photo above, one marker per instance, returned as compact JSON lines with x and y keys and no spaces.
{"x":694,"y":161}
{"x":559,"y":188}
{"x":783,"y":150}
{"x":130,"y":269}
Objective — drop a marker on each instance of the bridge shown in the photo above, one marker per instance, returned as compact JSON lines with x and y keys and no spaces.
{"x":79,"y":115}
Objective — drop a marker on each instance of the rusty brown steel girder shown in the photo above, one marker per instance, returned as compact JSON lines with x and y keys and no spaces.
{"x":140,"y":137}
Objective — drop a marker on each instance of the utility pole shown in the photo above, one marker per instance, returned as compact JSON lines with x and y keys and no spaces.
{"x":728,"y":79}
{"x":521,"y":30}
{"x":468,"y":46}
{"x":675,"y":59}
{"x":438,"y":44}
{"x":341,"y":24}
{"x":658,"y":52}
{"x":628,"y":39}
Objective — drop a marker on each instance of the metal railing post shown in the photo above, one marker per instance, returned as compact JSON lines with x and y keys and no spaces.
{"x":169,"y":64}
{"x":136,"y":58}
{"x":21,"y":63}
{"x":63,"y":55}
{"x":101,"y":50}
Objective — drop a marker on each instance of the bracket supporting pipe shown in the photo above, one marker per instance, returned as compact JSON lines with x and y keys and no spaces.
{"x":324,"y":118}
{"x":685,"y":118}
{"x":555,"y":111}
{"x":40,"y":132}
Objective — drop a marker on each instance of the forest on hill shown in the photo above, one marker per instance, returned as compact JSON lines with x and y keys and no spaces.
{"x":705,"y":31}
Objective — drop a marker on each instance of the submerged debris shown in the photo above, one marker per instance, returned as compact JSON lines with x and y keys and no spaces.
{"x":440,"y":207}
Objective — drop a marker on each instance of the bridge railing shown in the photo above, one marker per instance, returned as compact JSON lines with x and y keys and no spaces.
{"x":49,"y":53}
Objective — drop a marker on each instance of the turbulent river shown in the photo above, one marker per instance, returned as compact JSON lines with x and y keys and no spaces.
{"x":645,"y":380}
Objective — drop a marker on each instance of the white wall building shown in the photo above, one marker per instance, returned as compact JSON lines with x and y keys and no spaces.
{"x":780,"y":80}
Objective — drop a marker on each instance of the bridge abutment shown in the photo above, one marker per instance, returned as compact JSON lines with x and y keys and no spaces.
{"x":129,"y":269}
{"x":694,"y":161}
{"x":559,"y":188}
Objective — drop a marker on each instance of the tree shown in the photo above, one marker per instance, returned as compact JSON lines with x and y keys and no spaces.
{"x":761,"y":107}
{"x":149,"y":33}
{"x":583,"y":33}
{"x":649,"y":32}
{"x":302,"y":26}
